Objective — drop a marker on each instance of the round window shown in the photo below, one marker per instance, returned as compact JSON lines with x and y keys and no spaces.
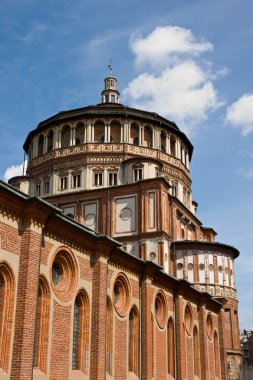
{"x":160,"y":309}
{"x":121,"y":295}
{"x":63,"y":274}
{"x":188,"y":319}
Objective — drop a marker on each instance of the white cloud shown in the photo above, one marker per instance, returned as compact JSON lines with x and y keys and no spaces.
{"x":240,"y":114}
{"x":173,"y":80}
{"x":165,"y":43}
{"x":14,"y":170}
{"x":183,"y":93}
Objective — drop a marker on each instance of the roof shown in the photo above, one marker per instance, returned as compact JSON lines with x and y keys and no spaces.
{"x":206,"y":245}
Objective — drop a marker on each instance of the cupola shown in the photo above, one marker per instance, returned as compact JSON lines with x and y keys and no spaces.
{"x":110,"y":94}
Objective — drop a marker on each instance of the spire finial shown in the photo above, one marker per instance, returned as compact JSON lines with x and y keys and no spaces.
{"x":110,"y":67}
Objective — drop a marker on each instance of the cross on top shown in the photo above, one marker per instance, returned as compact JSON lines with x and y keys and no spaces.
{"x":110,"y":67}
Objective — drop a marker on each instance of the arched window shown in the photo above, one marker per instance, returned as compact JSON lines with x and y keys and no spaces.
{"x":171,"y":348}
{"x":80,"y":350}
{"x":79,"y":133}
{"x":41,"y":145}
{"x":115,"y":132}
{"x":216,"y":354}
{"x":196,"y":352}
{"x":173,"y":146}
{"x":134,"y":134}
{"x":6,"y":314}
{"x":99,"y":131}
{"x":109,"y":336}
{"x":148,"y":137}
{"x":163,"y":142}
{"x":50,"y":141}
{"x":134,"y":338}
{"x":65,"y":136}
{"x":42,"y":326}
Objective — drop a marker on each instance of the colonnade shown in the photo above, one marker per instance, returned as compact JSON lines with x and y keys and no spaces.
{"x":130,"y":133}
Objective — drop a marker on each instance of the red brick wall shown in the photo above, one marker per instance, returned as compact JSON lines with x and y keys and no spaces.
{"x":121,"y":354}
{"x":161,"y":353}
{"x":10,"y":238}
{"x":22,"y":358}
{"x":60,"y":342}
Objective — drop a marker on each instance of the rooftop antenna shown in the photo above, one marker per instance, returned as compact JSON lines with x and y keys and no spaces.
{"x":110,"y":67}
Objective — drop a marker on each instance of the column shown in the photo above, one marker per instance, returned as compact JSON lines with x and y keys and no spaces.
{"x":85,"y":134}
{"x":105,"y":177}
{"x":89,"y":132}
{"x":187,"y":160}
{"x":74,"y":136}
{"x":59,"y":138}
{"x":92,"y":133}
{"x":168,"y":144}
{"x":183,"y":156}
{"x":108,"y":133}
{"x":153,"y":138}
{"x":71,"y":137}
{"x":159,"y":139}
{"x":140,"y":136}
{"x":69,"y":179}
{"x":45,"y":144}
{"x":122,"y":133}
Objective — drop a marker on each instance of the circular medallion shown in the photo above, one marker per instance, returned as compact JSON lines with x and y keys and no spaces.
{"x":152,"y":256}
{"x":90,"y":220}
{"x":201,"y":266}
{"x":190,"y":266}
{"x":220,"y":268}
{"x":125,"y":213}
{"x":211,"y":267}
{"x":180,"y":266}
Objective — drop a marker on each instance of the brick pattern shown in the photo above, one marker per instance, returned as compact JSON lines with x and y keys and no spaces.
{"x":10,"y":238}
{"x":60,"y":342}
{"x":26,"y":304}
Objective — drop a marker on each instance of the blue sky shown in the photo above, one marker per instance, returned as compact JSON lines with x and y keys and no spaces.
{"x":189,"y":60}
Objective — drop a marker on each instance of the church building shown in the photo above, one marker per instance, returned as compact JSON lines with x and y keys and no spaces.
{"x":106,"y":272}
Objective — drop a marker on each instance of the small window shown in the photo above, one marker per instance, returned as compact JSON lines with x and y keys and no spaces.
{"x":113,"y":98}
{"x":76,"y":181}
{"x":138,"y":174}
{"x":98,"y":179}
{"x":113,"y":179}
{"x":136,"y":141}
{"x":174,"y":190}
{"x":46,"y":187}
{"x":77,"y":141}
{"x":107,"y":98}
{"x":38,"y":190}
{"x":63,"y":183}
{"x":163,"y":149}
